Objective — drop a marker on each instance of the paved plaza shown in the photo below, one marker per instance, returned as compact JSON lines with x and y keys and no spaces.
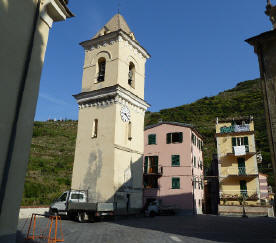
{"x":167,"y":229}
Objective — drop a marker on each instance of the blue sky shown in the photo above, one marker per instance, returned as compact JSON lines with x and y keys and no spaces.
{"x":197,"y":49}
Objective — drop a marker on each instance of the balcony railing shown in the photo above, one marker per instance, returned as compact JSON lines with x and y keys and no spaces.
{"x":235,"y":128}
{"x":246,"y":148}
{"x":156,"y":170}
{"x":238,"y":194}
{"x":239,"y":171}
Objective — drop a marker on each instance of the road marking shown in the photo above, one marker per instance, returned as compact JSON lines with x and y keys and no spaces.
{"x":175,"y":238}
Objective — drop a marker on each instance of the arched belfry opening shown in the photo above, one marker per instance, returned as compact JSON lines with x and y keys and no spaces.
{"x":101,"y":68}
{"x":131,"y":75}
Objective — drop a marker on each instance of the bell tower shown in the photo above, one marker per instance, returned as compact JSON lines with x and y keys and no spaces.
{"x":110,"y":144}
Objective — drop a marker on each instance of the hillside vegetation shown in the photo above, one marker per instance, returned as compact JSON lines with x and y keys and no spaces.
{"x":53,"y":144}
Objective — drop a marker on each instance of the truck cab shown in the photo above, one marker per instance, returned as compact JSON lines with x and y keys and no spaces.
{"x":59,"y":206}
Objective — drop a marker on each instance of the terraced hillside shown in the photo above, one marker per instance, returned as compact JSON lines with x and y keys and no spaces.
{"x":53,"y":143}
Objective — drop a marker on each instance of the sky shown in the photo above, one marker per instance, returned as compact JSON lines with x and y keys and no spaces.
{"x":197,"y":49}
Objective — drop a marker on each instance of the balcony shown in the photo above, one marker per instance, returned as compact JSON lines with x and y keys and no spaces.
{"x":235,"y":128}
{"x":150,"y":192}
{"x":155,"y":170}
{"x":239,"y":151}
{"x":238,"y":195}
{"x":239,"y":171}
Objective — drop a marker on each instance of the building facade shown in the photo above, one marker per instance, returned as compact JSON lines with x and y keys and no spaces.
{"x":265,"y":47}
{"x":264,"y":193}
{"x":110,"y":145}
{"x":25,"y":27}
{"x":237,"y":161}
{"x":173,"y":166}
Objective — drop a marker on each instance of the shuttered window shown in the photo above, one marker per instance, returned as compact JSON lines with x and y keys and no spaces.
{"x":175,"y":183}
{"x":175,"y":137}
{"x":175,"y":160}
{"x":146,"y":164}
{"x":151,"y":139}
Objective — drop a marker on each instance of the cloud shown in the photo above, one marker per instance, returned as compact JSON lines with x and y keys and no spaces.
{"x":52,"y":99}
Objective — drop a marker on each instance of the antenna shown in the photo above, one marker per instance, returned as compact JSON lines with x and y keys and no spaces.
{"x":119,"y":15}
{"x":119,"y":7}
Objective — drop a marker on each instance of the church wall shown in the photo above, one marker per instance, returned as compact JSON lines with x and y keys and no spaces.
{"x":93,"y":165}
{"x":128,"y":173}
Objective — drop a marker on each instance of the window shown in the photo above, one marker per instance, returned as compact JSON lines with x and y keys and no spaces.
{"x":76,"y":196}
{"x":95,"y":129}
{"x":194,"y":161}
{"x":129,"y":131}
{"x":194,"y":183}
{"x":63,"y":197}
{"x":200,"y":164}
{"x":175,"y":183}
{"x":175,"y":160}
{"x":151,"y":165}
{"x":151,"y":139}
{"x":150,"y":182}
{"x":193,"y":139}
{"x":243,"y":188}
{"x":131,"y":72}
{"x":175,"y":137}
{"x":101,"y":66}
{"x":240,"y":141}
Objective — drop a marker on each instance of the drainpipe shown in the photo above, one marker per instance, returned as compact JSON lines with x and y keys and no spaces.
{"x":193,"y":187}
{"x":17,"y":109}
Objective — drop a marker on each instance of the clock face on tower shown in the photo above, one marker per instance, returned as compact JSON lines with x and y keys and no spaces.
{"x":125,"y":114}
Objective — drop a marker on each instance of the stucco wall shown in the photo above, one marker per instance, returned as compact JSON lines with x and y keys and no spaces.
{"x":16,"y":21}
{"x":182,"y":198}
{"x":92,"y":159}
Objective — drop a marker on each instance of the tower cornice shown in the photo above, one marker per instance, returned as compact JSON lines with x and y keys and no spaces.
{"x":111,"y":38}
{"x":110,"y":95}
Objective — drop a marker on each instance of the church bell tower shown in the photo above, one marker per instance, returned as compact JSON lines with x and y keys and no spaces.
{"x":110,"y":139}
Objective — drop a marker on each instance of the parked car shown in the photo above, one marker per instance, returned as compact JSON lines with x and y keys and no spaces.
{"x":78,"y":206}
{"x":155,"y":208}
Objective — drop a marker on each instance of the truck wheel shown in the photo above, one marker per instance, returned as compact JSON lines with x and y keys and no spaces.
{"x":80,"y":217}
{"x":91,"y":218}
{"x":152,"y":214}
{"x":53,"y":212}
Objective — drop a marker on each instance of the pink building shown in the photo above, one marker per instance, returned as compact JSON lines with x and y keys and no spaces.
{"x":263,"y":187}
{"x":173,"y":166}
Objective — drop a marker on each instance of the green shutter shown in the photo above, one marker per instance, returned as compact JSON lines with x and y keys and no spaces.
{"x":146,"y":164}
{"x":245,"y":140}
{"x":151,"y":139}
{"x":156,"y":161}
{"x":180,"y":137}
{"x":175,"y":183}
{"x":169,"y":138}
{"x":175,"y":160}
{"x":234,"y":142}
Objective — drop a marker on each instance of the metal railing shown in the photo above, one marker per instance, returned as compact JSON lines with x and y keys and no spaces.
{"x":236,"y":194}
{"x":246,"y":148}
{"x":235,"y":128}
{"x":239,"y":171}
{"x":154,"y":170}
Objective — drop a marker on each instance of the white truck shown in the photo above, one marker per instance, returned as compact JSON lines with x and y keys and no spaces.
{"x":76,"y":205}
{"x":154,"y":208}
